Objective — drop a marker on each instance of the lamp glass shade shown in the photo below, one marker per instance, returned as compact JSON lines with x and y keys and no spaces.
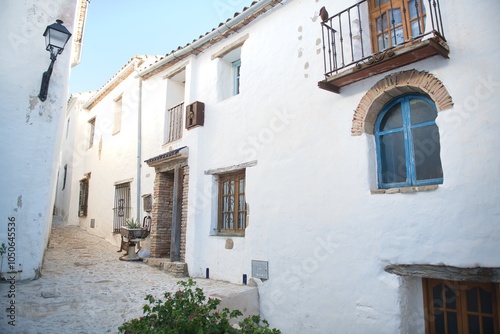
{"x":56,"y":37}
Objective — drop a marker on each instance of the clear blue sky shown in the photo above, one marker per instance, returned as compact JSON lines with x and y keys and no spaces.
{"x":116,"y":30}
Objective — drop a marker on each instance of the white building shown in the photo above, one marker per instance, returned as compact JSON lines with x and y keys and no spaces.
{"x":350,"y":165}
{"x":31,"y":128}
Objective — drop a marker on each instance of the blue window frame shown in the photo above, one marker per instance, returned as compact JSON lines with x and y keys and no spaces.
{"x":408,"y":147}
{"x":236,"y":76}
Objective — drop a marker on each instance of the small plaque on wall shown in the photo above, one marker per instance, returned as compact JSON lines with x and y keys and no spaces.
{"x":147,"y":202}
{"x":260,"y":269}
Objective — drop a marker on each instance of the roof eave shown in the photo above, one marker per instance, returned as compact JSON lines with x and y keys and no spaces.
{"x":120,"y":76}
{"x":222,"y":31}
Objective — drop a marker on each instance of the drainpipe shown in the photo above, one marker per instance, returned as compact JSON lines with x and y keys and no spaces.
{"x":139,"y":148}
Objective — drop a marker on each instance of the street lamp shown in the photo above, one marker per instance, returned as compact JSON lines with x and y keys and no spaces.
{"x":56,"y":37}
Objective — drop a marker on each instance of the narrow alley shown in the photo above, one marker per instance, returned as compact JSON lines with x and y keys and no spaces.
{"x":85,"y":288}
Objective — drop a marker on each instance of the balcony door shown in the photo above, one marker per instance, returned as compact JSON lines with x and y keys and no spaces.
{"x":394,"y":22}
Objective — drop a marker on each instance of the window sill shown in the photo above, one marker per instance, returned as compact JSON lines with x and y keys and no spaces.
{"x":405,"y":189}
{"x":228,"y":234}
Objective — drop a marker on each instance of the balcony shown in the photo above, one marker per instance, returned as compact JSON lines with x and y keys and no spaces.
{"x":174,"y":122}
{"x":376,"y":36}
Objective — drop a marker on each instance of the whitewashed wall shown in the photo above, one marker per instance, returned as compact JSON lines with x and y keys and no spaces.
{"x":312,"y":216}
{"x":311,"y":213}
{"x":113,"y":157}
{"x":74,"y":145}
{"x":30,"y":128}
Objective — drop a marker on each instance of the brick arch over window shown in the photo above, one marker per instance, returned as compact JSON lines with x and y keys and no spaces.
{"x":412,"y":81}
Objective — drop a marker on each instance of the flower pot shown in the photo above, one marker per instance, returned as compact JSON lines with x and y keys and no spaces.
{"x":134,"y":233}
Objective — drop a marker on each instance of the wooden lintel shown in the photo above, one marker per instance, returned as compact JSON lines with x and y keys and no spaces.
{"x":477,"y":274}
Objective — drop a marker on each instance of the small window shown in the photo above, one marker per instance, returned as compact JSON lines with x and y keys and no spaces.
{"x":84,"y":195}
{"x":236,"y":76}
{"x":117,"y":116}
{"x":91,"y":132}
{"x":229,"y":68}
{"x":453,"y":307}
{"x":232,"y":211}
{"x":408,"y":147}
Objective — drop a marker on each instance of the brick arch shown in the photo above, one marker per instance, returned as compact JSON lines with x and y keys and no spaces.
{"x":393,"y":85}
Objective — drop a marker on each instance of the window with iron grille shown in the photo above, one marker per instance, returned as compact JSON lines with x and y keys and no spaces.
{"x":84,"y":195}
{"x":122,"y":206}
{"x":174,"y":121}
{"x":452,"y":307}
{"x":232,"y":213}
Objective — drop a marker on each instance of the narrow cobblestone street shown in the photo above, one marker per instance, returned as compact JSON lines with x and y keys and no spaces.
{"x":85,"y":288}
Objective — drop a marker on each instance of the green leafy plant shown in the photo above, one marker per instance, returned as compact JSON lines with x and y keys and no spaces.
{"x":132,"y":223}
{"x":254,"y":325}
{"x":187,"y":311}
{"x":3,"y":250}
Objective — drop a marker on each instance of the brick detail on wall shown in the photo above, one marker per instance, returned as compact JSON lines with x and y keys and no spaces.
{"x":393,"y":85}
{"x":185,"y":191}
{"x":161,"y":226}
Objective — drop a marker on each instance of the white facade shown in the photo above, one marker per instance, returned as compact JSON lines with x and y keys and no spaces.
{"x":315,"y":213}
{"x":30,"y":128}
{"x":107,"y":155}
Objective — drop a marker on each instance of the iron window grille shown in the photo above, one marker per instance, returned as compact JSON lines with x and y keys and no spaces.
{"x":121,"y":207}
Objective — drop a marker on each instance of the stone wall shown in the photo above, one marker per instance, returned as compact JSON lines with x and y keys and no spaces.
{"x":161,"y":227}
{"x":185,"y":191}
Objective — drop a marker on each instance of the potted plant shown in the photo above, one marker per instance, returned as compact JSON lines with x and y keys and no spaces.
{"x":133,"y":230}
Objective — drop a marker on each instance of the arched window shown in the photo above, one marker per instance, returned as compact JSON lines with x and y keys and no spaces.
{"x":407,"y":138}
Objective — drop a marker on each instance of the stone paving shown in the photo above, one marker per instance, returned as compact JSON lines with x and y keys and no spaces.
{"x":85,"y":288}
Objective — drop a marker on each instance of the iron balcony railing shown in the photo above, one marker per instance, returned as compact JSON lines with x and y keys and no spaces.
{"x":370,"y":28}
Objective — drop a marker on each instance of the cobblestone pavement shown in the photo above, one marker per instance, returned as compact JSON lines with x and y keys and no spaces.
{"x":85,"y":288}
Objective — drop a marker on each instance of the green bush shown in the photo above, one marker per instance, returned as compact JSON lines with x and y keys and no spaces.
{"x":188,"y":312}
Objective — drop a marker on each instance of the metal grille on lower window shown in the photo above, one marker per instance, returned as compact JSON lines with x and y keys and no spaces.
{"x":232,"y":205}
{"x":175,"y":122}
{"x":122,"y":206}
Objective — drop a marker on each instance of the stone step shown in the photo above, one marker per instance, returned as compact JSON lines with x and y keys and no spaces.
{"x":176,"y":269}
{"x":238,"y":297}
